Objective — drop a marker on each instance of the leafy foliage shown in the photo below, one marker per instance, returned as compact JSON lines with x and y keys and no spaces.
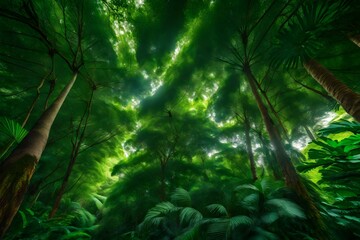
{"x":338,"y":161}
{"x":166,"y":117}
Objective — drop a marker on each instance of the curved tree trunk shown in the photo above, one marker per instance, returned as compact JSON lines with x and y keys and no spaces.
{"x":347,"y":98}
{"x":292,"y":179}
{"x":17,"y":169}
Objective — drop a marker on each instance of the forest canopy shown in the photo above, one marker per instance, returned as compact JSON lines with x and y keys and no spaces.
{"x":179,"y":119}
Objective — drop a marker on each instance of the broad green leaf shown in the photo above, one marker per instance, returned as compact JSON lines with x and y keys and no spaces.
{"x":217,"y":209}
{"x":181,"y":197}
{"x":190,"y":216}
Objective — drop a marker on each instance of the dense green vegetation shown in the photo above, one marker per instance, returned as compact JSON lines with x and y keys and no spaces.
{"x":179,"y":119}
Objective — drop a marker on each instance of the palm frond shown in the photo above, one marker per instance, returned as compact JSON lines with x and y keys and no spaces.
{"x":217,"y":229}
{"x":12,"y":129}
{"x":286,"y":207}
{"x":238,"y":221}
{"x":181,"y":197}
{"x":217,"y":210}
{"x":190,"y":216}
{"x":246,"y":187}
{"x":161,"y":209}
{"x":339,"y":127}
{"x":191,"y":234}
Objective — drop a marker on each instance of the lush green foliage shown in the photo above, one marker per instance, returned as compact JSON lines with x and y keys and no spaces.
{"x":153,"y":135}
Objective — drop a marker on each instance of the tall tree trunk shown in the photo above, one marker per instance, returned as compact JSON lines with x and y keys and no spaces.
{"x":309,"y":133}
{"x":270,"y":160}
{"x":249,"y":147}
{"x":64,"y":184}
{"x":292,"y":178}
{"x":263,"y":92}
{"x":80,"y":133}
{"x":347,"y":98}
{"x":27,"y":116}
{"x":17,"y":169}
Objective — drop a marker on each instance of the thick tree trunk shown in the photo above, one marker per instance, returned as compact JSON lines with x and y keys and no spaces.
{"x":249,"y":148}
{"x":17,"y":169}
{"x":347,"y":98}
{"x":292,"y":178}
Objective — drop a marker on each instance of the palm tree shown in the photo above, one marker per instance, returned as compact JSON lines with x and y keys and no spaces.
{"x":299,"y":42}
{"x":79,"y":138}
{"x":252,"y":35}
{"x":17,"y":169}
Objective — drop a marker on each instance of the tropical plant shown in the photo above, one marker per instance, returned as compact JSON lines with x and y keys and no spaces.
{"x":255,"y":211}
{"x":300,"y":42}
{"x":148,"y":109}
{"x":338,"y":162}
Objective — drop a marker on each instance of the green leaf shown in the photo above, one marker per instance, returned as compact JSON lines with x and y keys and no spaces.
{"x":286,"y":207}
{"x":237,"y":221}
{"x":181,"y":197}
{"x":191,"y":234}
{"x":190,"y":216}
{"x":160,"y":209}
{"x":217,"y":209}
{"x":23,"y":218}
{"x":217,"y":229}
{"x":12,"y":129}
{"x":341,"y":126}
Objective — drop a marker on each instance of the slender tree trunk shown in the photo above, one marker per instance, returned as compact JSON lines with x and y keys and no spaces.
{"x":292,"y":178}
{"x":347,"y":98}
{"x":270,"y":160}
{"x":249,"y":148}
{"x":80,"y":133}
{"x":17,"y":169}
{"x":309,"y":133}
{"x":61,"y":191}
{"x":27,"y":116}
{"x":274,"y":111}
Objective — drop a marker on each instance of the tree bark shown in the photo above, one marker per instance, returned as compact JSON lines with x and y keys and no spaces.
{"x":249,"y":148}
{"x":80,"y":133}
{"x":273,"y":111}
{"x":346,"y":97}
{"x":292,"y":178}
{"x":61,"y":191}
{"x":17,"y":169}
